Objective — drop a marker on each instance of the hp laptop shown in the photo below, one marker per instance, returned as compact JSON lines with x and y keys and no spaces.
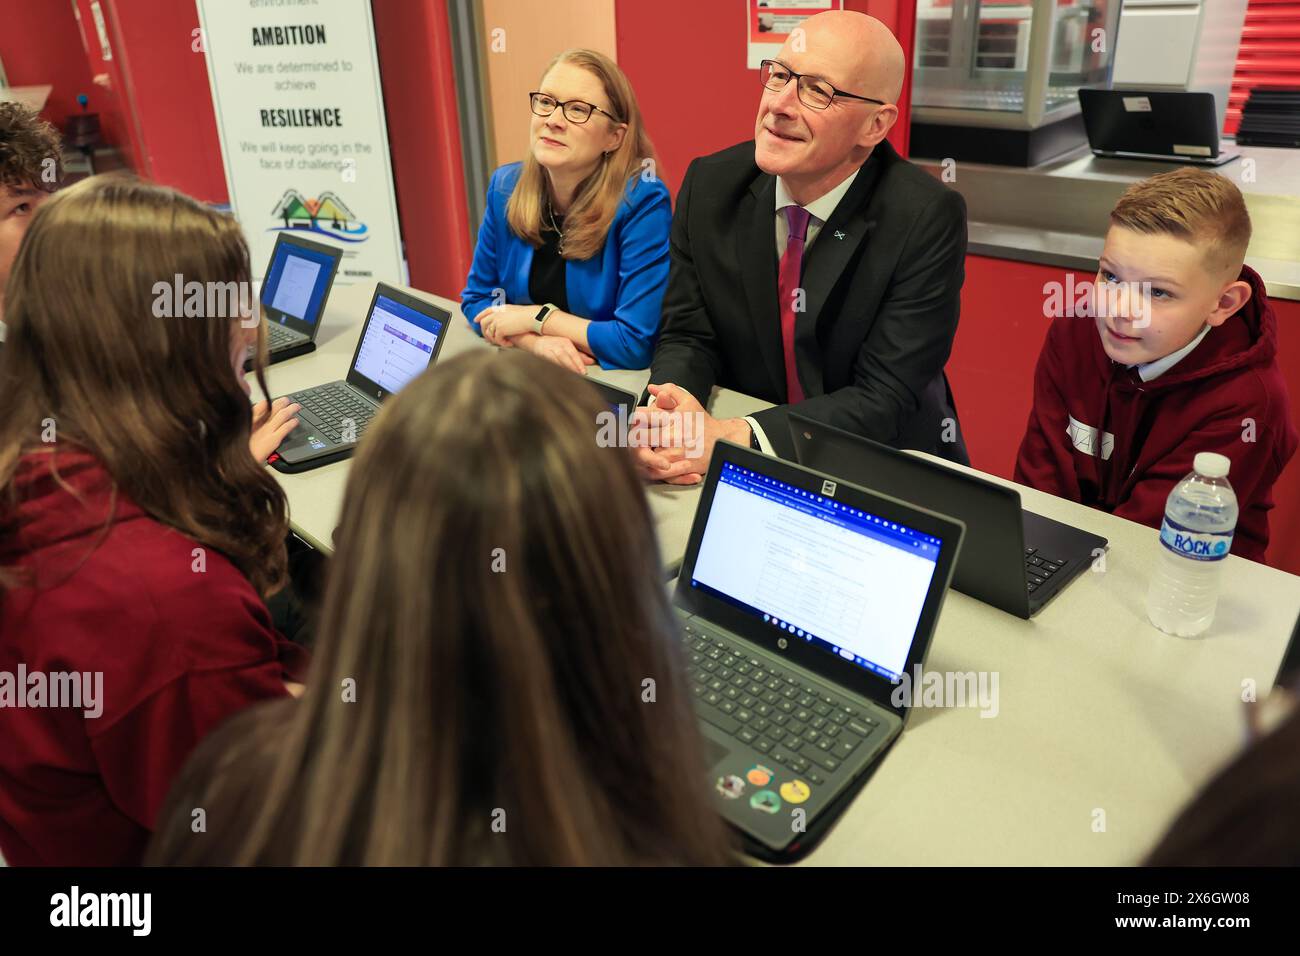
{"x":400,"y":339}
{"x":1172,"y":126}
{"x":804,"y":600}
{"x":297,"y":285}
{"x":1013,"y":559}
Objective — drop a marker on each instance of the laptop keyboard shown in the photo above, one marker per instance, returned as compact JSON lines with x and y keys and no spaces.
{"x":334,"y":404}
{"x":280,"y":336}
{"x":792,"y":722}
{"x":1039,"y":568}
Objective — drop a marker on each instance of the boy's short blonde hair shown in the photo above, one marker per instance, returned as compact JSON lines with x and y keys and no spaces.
{"x":1193,"y":204}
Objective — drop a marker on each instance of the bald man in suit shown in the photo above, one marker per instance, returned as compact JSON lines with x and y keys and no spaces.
{"x":811,"y":267}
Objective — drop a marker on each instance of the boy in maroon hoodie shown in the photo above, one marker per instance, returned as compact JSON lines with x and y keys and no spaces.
{"x":1178,"y":356}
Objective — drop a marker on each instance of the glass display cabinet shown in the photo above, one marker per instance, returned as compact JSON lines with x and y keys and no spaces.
{"x":995,"y":80}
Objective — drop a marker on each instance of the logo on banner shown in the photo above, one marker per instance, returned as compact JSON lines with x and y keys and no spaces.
{"x":327,"y":214}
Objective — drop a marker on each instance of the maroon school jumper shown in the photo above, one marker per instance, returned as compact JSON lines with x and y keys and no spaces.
{"x":1226,"y":391}
{"x":180,"y":650}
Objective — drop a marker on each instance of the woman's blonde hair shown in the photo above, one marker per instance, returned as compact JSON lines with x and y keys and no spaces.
{"x":597,"y":199}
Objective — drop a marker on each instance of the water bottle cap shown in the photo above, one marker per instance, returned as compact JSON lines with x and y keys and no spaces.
{"x":1211,"y":464}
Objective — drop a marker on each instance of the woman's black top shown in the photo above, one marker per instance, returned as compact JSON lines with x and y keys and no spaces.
{"x":546,"y":277}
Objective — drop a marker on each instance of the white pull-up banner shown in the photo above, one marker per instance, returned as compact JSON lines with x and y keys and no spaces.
{"x":300,"y":113}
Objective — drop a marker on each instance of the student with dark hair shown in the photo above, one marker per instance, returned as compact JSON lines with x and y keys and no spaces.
{"x":138,"y":536}
{"x":31,"y":167}
{"x":496,"y":677}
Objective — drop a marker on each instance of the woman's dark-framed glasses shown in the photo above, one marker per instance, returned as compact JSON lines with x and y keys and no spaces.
{"x":575,"y":111}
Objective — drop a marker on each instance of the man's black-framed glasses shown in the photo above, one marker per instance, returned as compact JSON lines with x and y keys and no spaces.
{"x":813,"y":91}
{"x":575,"y":111}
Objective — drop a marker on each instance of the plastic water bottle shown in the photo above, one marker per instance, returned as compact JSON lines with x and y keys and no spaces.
{"x":1195,"y":537}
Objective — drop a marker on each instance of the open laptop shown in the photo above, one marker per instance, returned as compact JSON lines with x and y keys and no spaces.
{"x":297,"y":285}
{"x":1013,"y":559}
{"x":803,"y":599}
{"x":618,"y":399}
{"x":400,"y":339}
{"x":1168,"y":125}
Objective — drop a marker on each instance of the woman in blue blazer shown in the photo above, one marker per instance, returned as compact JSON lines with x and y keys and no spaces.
{"x":572,"y":255}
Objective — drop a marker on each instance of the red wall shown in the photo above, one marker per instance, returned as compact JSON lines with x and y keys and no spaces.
{"x":419,"y":83}
{"x":163,"y":84}
{"x":155,"y":108}
{"x":992,"y":372}
{"x":40,"y":45}
{"x":686,"y":61}
{"x":116,"y":121}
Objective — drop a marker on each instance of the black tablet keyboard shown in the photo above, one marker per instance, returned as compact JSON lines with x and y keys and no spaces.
{"x":279,"y":336}
{"x":336,"y":406}
{"x":1039,"y":568}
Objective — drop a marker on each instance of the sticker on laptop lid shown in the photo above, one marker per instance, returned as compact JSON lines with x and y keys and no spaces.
{"x":1137,"y":104}
{"x":1180,"y":150}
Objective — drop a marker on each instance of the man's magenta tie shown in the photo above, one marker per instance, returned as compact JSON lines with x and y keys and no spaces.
{"x":787,"y":284}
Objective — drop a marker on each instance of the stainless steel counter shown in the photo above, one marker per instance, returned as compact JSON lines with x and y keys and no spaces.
{"x":1057,"y":214}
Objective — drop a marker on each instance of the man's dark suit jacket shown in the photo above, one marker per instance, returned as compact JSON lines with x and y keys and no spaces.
{"x":882,"y":284}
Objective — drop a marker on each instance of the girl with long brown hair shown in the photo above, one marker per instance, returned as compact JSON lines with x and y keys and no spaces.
{"x":496,"y":677}
{"x":138,"y":535}
{"x":580,"y":227}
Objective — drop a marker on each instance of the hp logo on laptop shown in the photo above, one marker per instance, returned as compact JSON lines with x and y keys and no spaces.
{"x":781,"y":643}
{"x":828,"y":489}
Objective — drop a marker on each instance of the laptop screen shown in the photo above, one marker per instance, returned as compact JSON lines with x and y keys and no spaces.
{"x":616,"y":398}
{"x":398,"y":344}
{"x":297,"y":281}
{"x":843,"y":580}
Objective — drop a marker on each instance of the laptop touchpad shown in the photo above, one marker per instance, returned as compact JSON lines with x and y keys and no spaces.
{"x":715,"y":752}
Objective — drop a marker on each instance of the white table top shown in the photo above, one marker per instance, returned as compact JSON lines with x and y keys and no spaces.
{"x":316,"y":497}
{"x":1098,"y":710}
